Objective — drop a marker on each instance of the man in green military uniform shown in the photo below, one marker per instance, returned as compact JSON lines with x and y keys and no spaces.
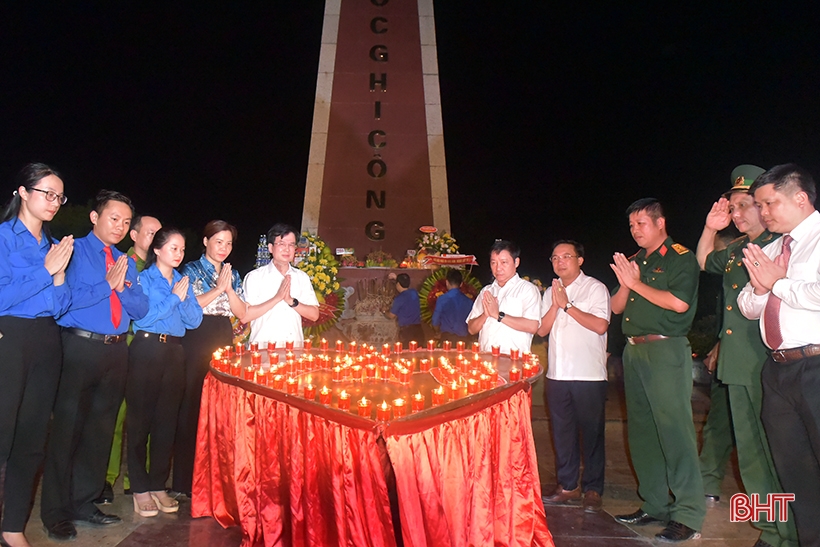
{"x":742,"y":352}
{"x":657,"y":295}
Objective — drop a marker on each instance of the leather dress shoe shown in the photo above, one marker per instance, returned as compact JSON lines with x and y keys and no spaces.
{"x":638,"y":518}
{"x":62,"y":531}
{"x":560,"y":496}
{"x":98,"y":518}
{"x":676,"y":532}
{"x":107,"y":496}
{"x":592,"y":501}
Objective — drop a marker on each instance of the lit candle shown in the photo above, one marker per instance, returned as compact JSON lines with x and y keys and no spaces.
{"x":256,"y":358}
{"x":460,"y":345}
{"x":254,"y":346}
{"x":431,"y":345}
{"x":464,"y":365}
{"x":398,"y":347}
{"x":484,"y":381}
{"x":454,"y":391}
{"x":340,"y":346}
{"x":496,"y":351}
{"x":356,"y":372}
{"x":324,"y":395}
{"x":323,"y":344}
{"x":344,"y":400}
{"x":370,"y":370}
{"x":514,"y":354}
{"x":529,"y":370}
{"x":418,"y":402}
{"x":438,"y":396}
{"x":364,"y":407}
{"x":336,"y":373}
{"x":289,"y":345}
{"x":399,"y":408}
{"x":383,"y":412}
{"x":424,"y":365}
{"x":472,"y":385}
{"x":289,"y":356}
{"x":293,"y":385}
{"x":217,"y":355}
{"x":239,"y":349}
{"x":351,"y":347}
{"x":386,"y":349}
{"x":261,"y":377}
{"x":247,"y":373}
{"x":271,"y":346}
{"x":525,"y":357}
{"x":515,"y":374}
{"x":413,"y":345}
{"x":310,"y":392}
{"x":273,"y":357}
{"x":476,"y":347}
{"x":278,"y":381}
{"x":404,"y":375}
{"x":447,"y":345}
{"x":385,"y":370}
{"x":307,"y":344}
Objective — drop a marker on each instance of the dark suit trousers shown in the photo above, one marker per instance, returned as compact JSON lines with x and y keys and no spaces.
{"x":89,"y":396}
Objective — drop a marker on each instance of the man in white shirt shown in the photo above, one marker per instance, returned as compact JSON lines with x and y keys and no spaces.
{"x":507,"y":312}
{"x":784,"y":293}
{"x":291,"y":287}
{"x":576,"y":317}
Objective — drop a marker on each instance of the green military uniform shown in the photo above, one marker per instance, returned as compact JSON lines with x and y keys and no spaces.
{"x":740,"y":362}
{"x":718,"y":439}
{"x":658,"y":387}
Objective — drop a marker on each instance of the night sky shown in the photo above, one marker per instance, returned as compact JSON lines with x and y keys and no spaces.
{"x":556,"y":115}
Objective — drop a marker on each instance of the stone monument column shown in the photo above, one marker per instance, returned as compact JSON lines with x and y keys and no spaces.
{"x":376,"y":170}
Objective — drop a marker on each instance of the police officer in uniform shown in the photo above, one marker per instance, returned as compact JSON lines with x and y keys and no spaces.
{"x":657,"y":295}
{"x":742,"y":353}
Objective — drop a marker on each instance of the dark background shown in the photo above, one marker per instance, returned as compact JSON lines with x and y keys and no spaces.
{"x":556,"y":115}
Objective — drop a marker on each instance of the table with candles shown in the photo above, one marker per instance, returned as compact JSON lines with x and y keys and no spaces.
{"x":354,"y":444}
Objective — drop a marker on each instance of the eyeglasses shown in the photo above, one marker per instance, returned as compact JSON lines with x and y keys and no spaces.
{"x":285,"y":245}
{"x":51,"y":195}
{"x":554,"y":259}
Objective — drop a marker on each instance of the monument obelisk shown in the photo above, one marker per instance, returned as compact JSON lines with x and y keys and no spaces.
{"x":376,"y":170}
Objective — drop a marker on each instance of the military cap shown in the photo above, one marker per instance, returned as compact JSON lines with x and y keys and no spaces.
{"x":743,"y":176}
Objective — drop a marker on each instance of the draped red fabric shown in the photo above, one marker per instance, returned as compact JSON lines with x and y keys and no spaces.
{"x":471,"y":481}
{"x":289,"y":473}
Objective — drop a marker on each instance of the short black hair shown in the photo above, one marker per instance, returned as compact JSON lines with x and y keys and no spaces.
{"x":579,"y":249}
{"x":280,"y":229}
{"x":160,"y":239}
{"x":651,"y":206}
{"x":504,"y":245}
{"x":454,"y":277}
{"x":105,"y":196}
{"x":403,"y":279}
{"x":787,"y":176}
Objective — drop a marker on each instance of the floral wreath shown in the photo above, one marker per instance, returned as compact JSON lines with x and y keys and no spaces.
{"x":436,"y":285}
{"x":436,"y":243}
{"x":322,"y":268}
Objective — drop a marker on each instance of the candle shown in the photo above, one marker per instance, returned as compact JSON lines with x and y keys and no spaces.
{"x":273,"y":357}
{"x":289,"y":356}
{"x":336,"y":373}
{"x":385,"y":370}
{"x":352,"y":347}
{"x":386,"y":349}
{"x":398,"y":346}
{"x":340,"y":346}
{"x":293,"y":385}
{"x":496,"y":351}
{"x":383,"y":412}
{"x":424,"y":365}
{"x":256,"y":358}
{"x":254,"y":346}
{"x":310,"y":392}
{"x":431,"y":345}
{"x":261,"y":377}
{"x":472,"y":385}
{"x":271,"y":346}
{"x":229,"y":350}
{"x":324,"y":395}
{"x":370,"y":370}
{"x":404,"y":375}
{"x":460,"y":345}
{"x":464,"y":365}
{"x":453,"y":388}
{"x":323,"y":344}
{"x":418,"y":402}
{"x":247,"y":373}
{"x":239,"y":349}
{"x":344,"y":400}
{"x":364,"y":407}
{"x":217,"y":355}
{"x":438,"y":396}
{"x":525,"y":357}
{"x":356,"y":372}
{"x":278,"y":381}
{"x":447,"y":345}
{"x":289,"y":345}
{"x":515,"y":374}
{"x":413,"y":345}
{"x":484,"y":381}
{"x":514,"y":354}
{"x":476,"y":347}
{"x":529,"y":370}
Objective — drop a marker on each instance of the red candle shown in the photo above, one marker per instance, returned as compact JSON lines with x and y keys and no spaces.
{"x":529,"y":370}
{"x":254,"y":346}
{"x":256,"y":358}
{"x":365,"y":407}
{"x":289,"y":345}
{"x":273,"y":357}
{"x":484,"y":381}
{"x":324,"y":395}
{"x":476,"y":347}
{"x":413,"y":345}
{"x":496,"y":351}
{"x":261,"y":377}
{"x":247,"y":373}
{"x":453,"y":388}
{"x":386,"y":349}
{"x":447,"y":345}
{"x":385,"y":370}
{"x":418,"y":402}
{"x":271,"y":346}
{"x":424,"y":365}
{"x":383,"y":412}
{"x":398,"y":347}
{"x":515,"y":374}
{"x":310,"y":392}
{"x":278,"y":381}
{"x":229,"y":350}
{"x":460,"y":345}
{"x":438,"y":396}
{"x":356,"y":372}
{"x":344,"y":400}
{"x":240,"y":349}
{"x":340,"y":346}
{"x":431,"y":345}
{"x":525,"y":357}
{"x":464,"y":365}
{"x":514,"y":354}
{"x":370,"y":370}
{"x":293,"y":385}
{"x":336,"y":374}
{"x":404,"y":375}
{"x":351,"y":347}
{"x":472,"y":385}
{"x":399,"y":408}
{"x":307,"y":344}
{"x":324,"y":345}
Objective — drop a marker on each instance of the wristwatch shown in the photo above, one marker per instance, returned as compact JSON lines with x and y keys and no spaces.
{"x":568,"y":306}
{"x":295,"y":303}
{"x":501,"y":315}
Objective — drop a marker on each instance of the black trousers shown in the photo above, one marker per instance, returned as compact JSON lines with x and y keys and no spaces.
{"x":408,"y":333}
{"x":30,"y":361}
{"x":200,"y":343}
{"x":89,"y":396}
{"x":791,"y":417}
{"x":153,"y":395}
{"x":577,"y":411}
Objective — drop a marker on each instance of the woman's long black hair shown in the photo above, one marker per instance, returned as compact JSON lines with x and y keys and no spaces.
{"x":28,"y":177}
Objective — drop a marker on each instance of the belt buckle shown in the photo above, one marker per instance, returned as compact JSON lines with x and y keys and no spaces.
{"x":631,"y":341}
{"x":163,"y":338}
{"x":110,"y":339}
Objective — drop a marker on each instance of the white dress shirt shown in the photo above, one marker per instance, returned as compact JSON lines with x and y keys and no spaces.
{"x":281,"y":323}
{"x":517,"y":298}
{"x":799,"y":290}
{"x":575,"y":352}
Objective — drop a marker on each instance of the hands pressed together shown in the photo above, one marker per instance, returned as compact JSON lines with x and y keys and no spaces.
{"x":763,"y":271}
{"x":628,"y":273}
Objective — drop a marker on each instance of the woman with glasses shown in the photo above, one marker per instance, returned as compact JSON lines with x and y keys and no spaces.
{"x":218,"y":289}
{"x":32,"y":293}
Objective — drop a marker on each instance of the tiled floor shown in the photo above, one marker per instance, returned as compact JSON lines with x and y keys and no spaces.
{"x":571,"y":527}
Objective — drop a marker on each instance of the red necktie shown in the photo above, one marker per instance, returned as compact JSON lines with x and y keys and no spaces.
{"x":116,"y":306}
{"x":771,"y":315}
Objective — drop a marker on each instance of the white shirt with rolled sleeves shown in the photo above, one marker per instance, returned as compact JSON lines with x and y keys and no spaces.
{"x":517,"y":298}
{"x":281,"y":323}
{"x":575,"y":352}
{"x":799,"y":290}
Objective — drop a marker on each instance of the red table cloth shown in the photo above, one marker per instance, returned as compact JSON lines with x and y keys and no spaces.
{"x":293,"y":472}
